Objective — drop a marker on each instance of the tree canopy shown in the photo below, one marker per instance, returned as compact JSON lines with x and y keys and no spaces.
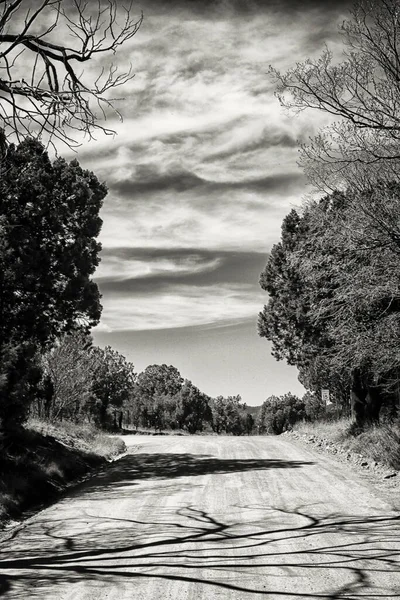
{"x":49,"y":222}
{"x":334,"y":302}
{"x":334,"y":293}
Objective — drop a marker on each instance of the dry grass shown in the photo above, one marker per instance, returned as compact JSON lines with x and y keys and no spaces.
{"x":85,"y":437}
{"x":379,"y":443}
{"x":334,"y":431}
{"x":38,"y":462}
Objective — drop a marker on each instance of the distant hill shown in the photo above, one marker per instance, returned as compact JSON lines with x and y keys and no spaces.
{"x":253,"y":410}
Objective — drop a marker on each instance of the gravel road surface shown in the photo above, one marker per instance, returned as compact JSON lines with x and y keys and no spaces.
{"x":209,"y":518}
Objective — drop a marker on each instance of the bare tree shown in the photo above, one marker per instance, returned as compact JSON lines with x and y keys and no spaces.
{"x":43,"y":88}
{"x":362,"y":95}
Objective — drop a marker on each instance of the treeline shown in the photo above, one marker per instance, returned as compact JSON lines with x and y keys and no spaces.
{"x":333,"y":279}
{"x":84,"y":383}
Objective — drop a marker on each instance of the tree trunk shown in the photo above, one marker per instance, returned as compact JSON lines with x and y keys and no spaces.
{"x":366,"y":401}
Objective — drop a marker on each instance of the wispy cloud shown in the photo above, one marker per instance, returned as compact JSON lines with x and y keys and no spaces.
{"x":124,"y":270}
{"x":181,"y":306}
{"x":205,"y":163}
{"x":156,"y":289}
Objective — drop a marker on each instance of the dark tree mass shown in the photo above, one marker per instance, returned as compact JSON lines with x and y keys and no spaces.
{"x":333,"y":279}
{"x":49,"y":222}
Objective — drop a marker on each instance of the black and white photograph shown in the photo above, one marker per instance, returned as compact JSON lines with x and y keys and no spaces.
{"x":199,"y":299}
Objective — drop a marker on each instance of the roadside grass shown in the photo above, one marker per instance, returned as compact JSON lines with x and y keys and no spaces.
{"x":334,"y":431}
{"x":380,"y":443}
{"x":85,"y":436}
{"x":42,"y":459}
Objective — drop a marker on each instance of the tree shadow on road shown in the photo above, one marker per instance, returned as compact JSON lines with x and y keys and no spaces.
{"x":168,"y":465}
{"x":277,"y":553}
{"x":136,"y":468}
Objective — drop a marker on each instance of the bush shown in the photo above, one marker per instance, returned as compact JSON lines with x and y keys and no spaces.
{"x":38,"y":461}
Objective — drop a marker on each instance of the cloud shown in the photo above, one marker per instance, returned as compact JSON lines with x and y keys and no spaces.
{"x":182,"y":306}
{"x":149,"y":288}
{"x":127,"y":264}
{"x":183,"y":181}
{"x":230,"y":219}
{"x":146,"y":270}
{"x":225,"y":8}
{"x":204,"y":167}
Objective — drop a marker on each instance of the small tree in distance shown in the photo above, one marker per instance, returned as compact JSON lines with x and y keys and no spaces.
{"x":113,"y":383}
{"x":192,"y":408}
{"x":278,"y":414}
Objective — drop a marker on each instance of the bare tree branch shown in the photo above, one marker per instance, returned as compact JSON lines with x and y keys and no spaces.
{"x":41,"y":91}
{"x":362,"y":93}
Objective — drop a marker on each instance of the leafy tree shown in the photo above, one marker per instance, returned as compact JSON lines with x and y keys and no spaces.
{"x":314,"y":407}
{"x":113,"y":383}
{"x":347,"y":261}
{"x":43,"y":88}
{"x":345,"y":315}
{"x":49,"y":215}
{"x":218,"y":414}
{"x":153,"y":401}
{"x":229,"y":415}
{"x":49,"y":221}
{"x":192,"y":408}
{"x":159,"y":379}
{"x":265,"y":421}
{"x":20,"y":379}
{"x":362,"y":313}
{"x":286,"y":320}
{"x":249,"y":423}
{"x":280,"y":414}
{"x":234,"y":411}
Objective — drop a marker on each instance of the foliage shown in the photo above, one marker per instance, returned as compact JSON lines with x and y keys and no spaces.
{"x":192,"y":408}
{"x":218,"y":414}
{"x":230,"y":415}
{"x":155,"y":395}
{"x":334,"y":299}
{"x":314,"y":407}
{"x":278,"y":414}
{"x":49,"y":215}
{"x":113,"y":383}
{"x":20,"y":377}
{"x":286,"y":320}
{"x":43,"y":89}
{"x":159,"y":379}
{"x":342,"y":325}
{"x":234,"y":415}
{"x":49,"y":221}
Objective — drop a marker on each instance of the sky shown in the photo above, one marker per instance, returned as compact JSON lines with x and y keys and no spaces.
{"x":200,"y":175}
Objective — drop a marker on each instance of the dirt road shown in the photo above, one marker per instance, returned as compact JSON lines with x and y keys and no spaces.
{"x":209,"y":518}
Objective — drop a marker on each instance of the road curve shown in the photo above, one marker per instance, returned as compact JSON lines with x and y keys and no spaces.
{"x":210,"y":518}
